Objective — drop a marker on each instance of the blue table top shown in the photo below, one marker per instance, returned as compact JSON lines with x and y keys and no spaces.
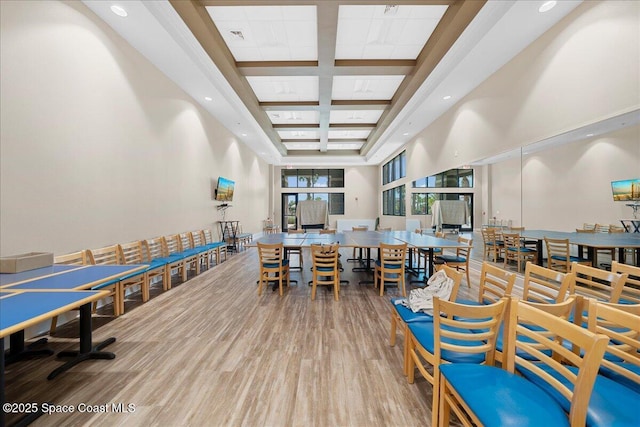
{"x":8,"y":278}
{"x":19,"y":310}
{"x":82,"y":278}
{"x":596,"y":240}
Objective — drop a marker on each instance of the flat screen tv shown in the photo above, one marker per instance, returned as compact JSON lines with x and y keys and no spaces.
{"x":224,"y":191}
{"x":626,"y":190}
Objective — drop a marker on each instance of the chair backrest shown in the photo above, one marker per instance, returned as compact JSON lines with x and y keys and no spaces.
{"x":384,"y":228}
{"x":597,"y":283}
{"x":418,"y":231}
{"x":558,"y":254}
{"x":631,"y":289}
{"x":271,"y":255}
{"x":152,"y":249}
{"x":207,"y":236}
{"x":582,"y":230}
{"x":323,"y":231}
{"x":621,"y":323}
{"x":440,"y":234}
{"x":463,"y":251}
{"x":588,"y":226}
{"x":512,"y":240}
{"x":363,"y":228}
{"x":457,"y":276}
{"x":476,"y":326}
{"x":197,"y":238}
{"x":74,"y":258}
{"x":393,"y":256}
{"x":516,"y":228}
{"x":527,"y":332}
{"x":545,"y":286}
{"x":170,"y":244}
{"x":184,"y":241}
{"x":295,"y":231}
{"x":325,"y":258}
{"x":107,"y":255}
{"x":131,"y":253}
{"x":495,"y":283}
{"x":616,"y":229}
{"x":602,"y":228}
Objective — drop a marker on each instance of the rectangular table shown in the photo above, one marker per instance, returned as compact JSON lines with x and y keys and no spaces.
{"x":591,"y":241}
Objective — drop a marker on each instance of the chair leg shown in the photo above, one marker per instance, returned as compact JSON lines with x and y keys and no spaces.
{"x":54,"y":323}
{"x":466,"y":270}
{"x":394,"y":325}
{"x":314,"y":286}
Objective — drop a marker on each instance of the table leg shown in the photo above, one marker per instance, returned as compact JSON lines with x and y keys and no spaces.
{"x":539,"y":249}
{"x":17,"y":350}
{"x":87,"y":349}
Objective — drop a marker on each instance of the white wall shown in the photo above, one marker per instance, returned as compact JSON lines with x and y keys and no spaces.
{"x":99,"y":147}
{"x":583,"y":70}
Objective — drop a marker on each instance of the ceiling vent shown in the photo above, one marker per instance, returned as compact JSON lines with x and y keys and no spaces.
{"x":237,"y":34}
{"x":391,"y":9}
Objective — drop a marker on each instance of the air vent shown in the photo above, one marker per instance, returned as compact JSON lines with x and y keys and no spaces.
{"x":237,"y":34}
{"x":391,"y":9}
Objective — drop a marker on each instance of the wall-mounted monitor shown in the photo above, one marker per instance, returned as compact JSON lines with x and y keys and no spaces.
{"x":224,"y":190}
{"x":626,"y":190}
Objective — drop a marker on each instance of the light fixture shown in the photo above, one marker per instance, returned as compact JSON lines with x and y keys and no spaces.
{"x":208,"y":98}
{"x":589,"y":134}
{"x":243,"y":134}
{"x":446,"y":97}
{"x":405,"y":134}
{"x":547,"y":6}
{"x":119,"y":10}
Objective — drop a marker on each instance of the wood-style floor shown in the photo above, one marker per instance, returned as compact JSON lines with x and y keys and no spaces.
{"x":210,"y":352}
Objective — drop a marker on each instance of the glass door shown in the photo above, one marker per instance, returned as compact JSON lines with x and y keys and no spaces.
{"x":289,"y":204}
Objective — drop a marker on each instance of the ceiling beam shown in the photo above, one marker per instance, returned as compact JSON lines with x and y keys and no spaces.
{"x":454,"y":21}
{"x":318,"y":2}
{"x":371,"y":67}
{"x":295,"y":126}
{"x":327,"y":15}
{"x":352,"y":126}
{"x":290,"y":105}
{"x":199,"y":22}
{"x":277,"y":68}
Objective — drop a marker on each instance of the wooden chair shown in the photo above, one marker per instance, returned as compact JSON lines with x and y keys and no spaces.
{"x":491,"y":244}
{"x":323,"y":231}
{"x":514,"y":250}
{"x":353,"y":256}
{"x":460,"y":341}
{"x":206,"y":252}
{"x":193,"y":258}
{"x":296,"y":251}
{"x":171,"y":251}
{"x":621,"y":323}
{"x":423,"y":254}
{"x":384,"y":229}
{"x":273,"y":266}
{"x":459,"y":261}
{"x":628,"y":252}
{"x":545,"y":286}
{"x":596,"y":283}
{"x":131,"y":253}
{"x":495,"y":283}
{"x":74,"y":258}
{"x":559,"y":256}
{"x":326,"y":269}
{"x":534,"y":347}
{"x":401,"y":316}
{"x":604,"y":228}
{"x":154,"y":254}
{"x":631,"y":290}
{"x":107,"y":255}
{"x":220,"y":247}
{"x":390,"y":267}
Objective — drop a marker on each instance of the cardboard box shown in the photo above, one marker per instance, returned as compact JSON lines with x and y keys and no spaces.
{"x":24,"y":262}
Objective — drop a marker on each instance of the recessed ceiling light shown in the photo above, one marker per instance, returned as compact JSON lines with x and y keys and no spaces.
{"x":208,"y":98}
{"x":405,"y":134}
{"x":547,"y":6}
{"x":243,"y":134}
{"x":119,"y":10}
{"x":446,"y":97}
{"x":589,"y":134}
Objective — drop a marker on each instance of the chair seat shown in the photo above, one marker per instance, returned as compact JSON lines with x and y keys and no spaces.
{"x":611,"y":403}
{"x":522,"y":338}
{"x":105,"y":284}
{"x":500,"y":398}
{"x":424,"y":334}
{"x":426,"y":251}
{"x":520,"y":249}
{"x":284,"y":263}
{"x":407,"y":315}
{"x":326,"y":269}
{"x":389,"y":266}
{"x":621,"y":379}
{"x":137,"y":273}
{"x":452,"y":258}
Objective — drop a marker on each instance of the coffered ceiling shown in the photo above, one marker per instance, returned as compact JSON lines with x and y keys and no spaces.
{"x":328,"y":82}
{"x":326,"y":76}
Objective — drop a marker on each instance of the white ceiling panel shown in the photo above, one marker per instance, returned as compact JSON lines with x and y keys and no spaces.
{"x":385,"y":32}
{"x":302,"y":145}
{"x":349,"y":134}
{"x":294,"y":117}
{"x":268,"y":33}
{"x":355,"y":116}
{"x":303,"y":134}
{"x":292,"y":88}
{"x":344,"y":145}
{"x":365,"y":87}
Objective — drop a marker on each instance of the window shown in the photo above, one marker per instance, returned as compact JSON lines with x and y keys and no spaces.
{"x":335,"y":201}
{"x":421,"y":203}
{"x":312,"y":178}
{"x":393,"y":201}
{"x":453,"y":178}
{"x":395,"y":168}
